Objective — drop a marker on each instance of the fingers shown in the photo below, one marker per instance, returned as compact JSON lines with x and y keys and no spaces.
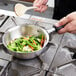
{"x":64,"y":20}
{"x":70,"y":27}
{"x":35,"y":2}
{"x":73,"y":32}
{"x":70,"y":21}
{"x":41,"y":4}
{"x":38,"y":3}
{"x":45,"y":1}
{"x":44,"y":8}
{"x":63,"y":30}
{"x":38,"y":9}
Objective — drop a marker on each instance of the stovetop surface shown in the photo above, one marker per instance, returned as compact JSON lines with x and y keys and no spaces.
{"x":56,"y":52}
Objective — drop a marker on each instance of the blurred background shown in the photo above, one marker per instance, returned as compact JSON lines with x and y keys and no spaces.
{"x":9,"y":5}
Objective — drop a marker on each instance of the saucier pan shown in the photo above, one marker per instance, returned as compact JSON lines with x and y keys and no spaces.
{"x":23,"y":30}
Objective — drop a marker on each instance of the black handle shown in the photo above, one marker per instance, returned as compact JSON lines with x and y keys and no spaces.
{"x":58,"y":28}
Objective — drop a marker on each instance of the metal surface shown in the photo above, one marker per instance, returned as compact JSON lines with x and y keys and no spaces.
{"x":22,"y":31}
{"x":39,"y":65}
{"x":3,"y":18}
{"x":3,"y":66}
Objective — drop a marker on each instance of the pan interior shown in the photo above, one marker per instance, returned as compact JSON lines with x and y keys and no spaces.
{"x":22,"y":31}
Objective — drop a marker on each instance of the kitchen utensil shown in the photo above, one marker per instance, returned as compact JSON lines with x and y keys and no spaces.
{"x":23,"y":30}
{"x":20,"y":9}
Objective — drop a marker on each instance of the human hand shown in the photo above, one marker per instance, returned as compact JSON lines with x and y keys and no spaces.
{"x":70,"y":21}
{"x":41,"y":5}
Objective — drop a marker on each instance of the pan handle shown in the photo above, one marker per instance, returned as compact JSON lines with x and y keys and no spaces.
{"x":55,"y":28}
{"x":1,"y":38}
{"x":59,"y":28}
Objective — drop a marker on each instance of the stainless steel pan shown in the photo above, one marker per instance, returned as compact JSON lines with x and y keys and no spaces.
{"x":19,"y":31}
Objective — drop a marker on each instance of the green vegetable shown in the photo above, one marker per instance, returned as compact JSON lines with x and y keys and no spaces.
{"x":26,"y":44}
